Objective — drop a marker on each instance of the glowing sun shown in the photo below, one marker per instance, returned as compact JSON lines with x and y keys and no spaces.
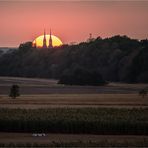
{"x":55,"y":41}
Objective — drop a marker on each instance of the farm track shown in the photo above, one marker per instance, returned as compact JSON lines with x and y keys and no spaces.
{"x":27,"y":137}
{"x":24,"y":106}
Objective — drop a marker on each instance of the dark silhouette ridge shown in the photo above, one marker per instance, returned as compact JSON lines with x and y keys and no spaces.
{"x":118,"y":59}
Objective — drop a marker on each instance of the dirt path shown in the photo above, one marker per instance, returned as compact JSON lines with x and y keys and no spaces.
{"x":27,"y":137}
{"x":24,"y":106}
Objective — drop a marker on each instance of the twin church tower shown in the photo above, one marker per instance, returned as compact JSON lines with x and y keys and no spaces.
{"x":44,"y":41}
{"x":50,"y":40}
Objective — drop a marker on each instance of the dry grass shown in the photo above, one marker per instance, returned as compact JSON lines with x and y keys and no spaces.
{"x":41,"y":93}
{"x":133,"y":100}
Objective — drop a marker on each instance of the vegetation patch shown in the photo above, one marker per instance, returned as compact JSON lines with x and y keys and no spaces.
{"x":118,"y":59}
{"x":75,"y":120}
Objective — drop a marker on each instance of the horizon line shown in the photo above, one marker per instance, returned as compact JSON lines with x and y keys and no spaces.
{"x":17,"y":46}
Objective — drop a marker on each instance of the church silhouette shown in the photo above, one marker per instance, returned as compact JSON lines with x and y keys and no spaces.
{"x":50,"y":40}
{"x":45,"y":41}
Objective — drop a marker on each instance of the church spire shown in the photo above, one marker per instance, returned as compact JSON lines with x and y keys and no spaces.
{"x":44,"y":40}
{"x":50,"y":40}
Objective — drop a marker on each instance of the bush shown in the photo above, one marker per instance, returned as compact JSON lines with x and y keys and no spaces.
{"x":81,"y":76}
{"x":143,"y":93}
{"x":14,"y":91}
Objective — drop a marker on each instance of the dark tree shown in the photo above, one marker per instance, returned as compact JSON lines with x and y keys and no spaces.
{"x":81,"y":76}
{"x":118,"y":59}
{"x":27,"y":46}
{"x":143,"y":93}
{"x":14,"y":91}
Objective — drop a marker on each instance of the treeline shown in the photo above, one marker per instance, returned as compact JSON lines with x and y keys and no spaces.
{"x":76,"y":120}
{"x":118,"y":58}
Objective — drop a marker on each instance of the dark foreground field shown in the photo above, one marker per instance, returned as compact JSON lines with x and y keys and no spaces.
{"x":76,"y":120}
{"x":83,"y":116}
{"x":82,"y":127}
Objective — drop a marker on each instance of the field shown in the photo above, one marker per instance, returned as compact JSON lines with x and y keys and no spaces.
{"x":76,"y":120}
{"x":74,"y":100}
{"x":72,"y":115}
{"x":30,"y":86}
{"x":71,"y":140}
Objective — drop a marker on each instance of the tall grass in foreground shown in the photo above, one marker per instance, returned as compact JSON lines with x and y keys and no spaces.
{"x":75,"y":120}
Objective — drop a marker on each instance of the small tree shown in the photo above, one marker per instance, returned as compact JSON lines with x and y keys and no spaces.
{"x":143,"y":93}
{"x":14,"y":91}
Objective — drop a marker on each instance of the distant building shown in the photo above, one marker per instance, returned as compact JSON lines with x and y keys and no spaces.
{"x":44,"y":40}
{"x":50,"y":40}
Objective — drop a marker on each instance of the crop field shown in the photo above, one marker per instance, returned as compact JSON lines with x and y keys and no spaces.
{"x":85,"y":127}
{"x":111,"y":115}
{"x":78,"y":120}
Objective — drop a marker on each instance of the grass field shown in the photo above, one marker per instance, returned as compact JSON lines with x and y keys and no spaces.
{"x":115,"y":113}
{"x":74,"y":100}
{"x":31,"y":86}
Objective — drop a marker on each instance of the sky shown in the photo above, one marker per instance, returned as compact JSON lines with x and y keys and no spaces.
{"x":71,"y":21}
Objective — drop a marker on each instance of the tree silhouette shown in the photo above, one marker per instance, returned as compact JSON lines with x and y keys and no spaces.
{"x":14,"y":91}
{"x":143,"y":93}
{"x":80,"y":76}
{"x":118,"y":59}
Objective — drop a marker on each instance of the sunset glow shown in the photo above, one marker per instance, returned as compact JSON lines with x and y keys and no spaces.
{"x":72,"y":21}
{"x":55,"y":41}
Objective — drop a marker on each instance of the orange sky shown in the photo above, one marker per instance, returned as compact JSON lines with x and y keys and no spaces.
{"x":71,"y":21}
